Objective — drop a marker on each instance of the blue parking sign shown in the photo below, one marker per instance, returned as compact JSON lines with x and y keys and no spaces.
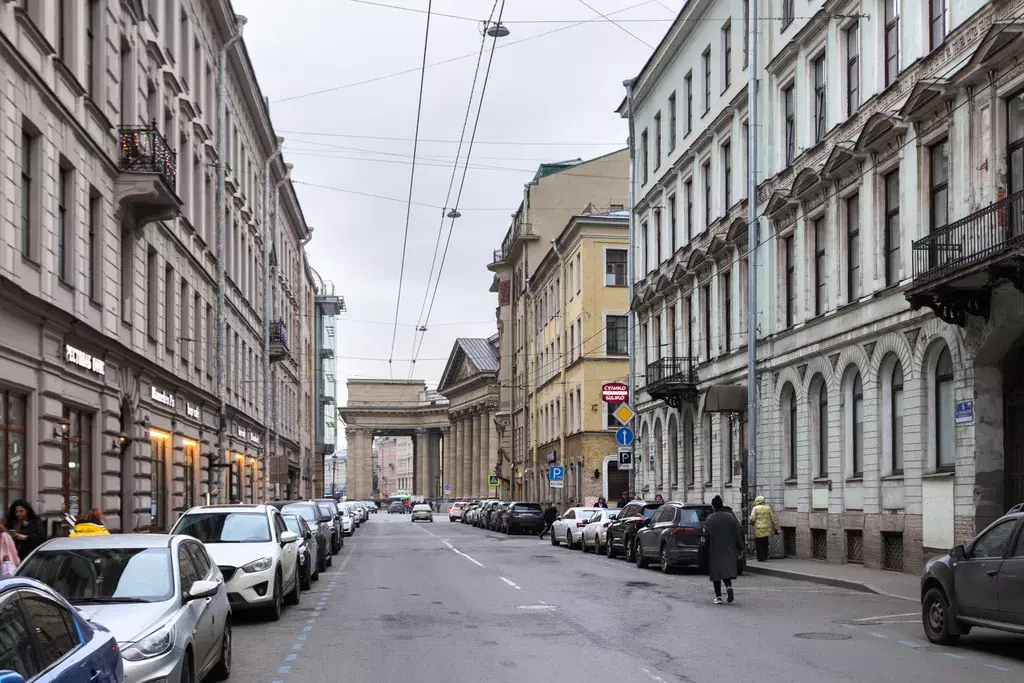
{"x":556,"y":476}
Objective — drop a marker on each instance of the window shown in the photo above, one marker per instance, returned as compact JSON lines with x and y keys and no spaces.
{"x":657,"y":141}
{"x":579,"y":273}
{"x":892,"y":228}
{"x":18,"y":644}
{"x":646,"y":255}
{"x":672,"y":226}
{"x":77,"y":474}
{"x":688,"y":317}
{"x":992,"y":544}
{"x":91,"y":34}
{"x":688,"y":196}
{"x":945,"y":405}
{"x":62,"y":27}
{"x":643,"y":156}
{"x":789,"y":286}
{"x":746,"y":41}
{"x":211,"y":342}
{"x":183,"y":335}
{"x":726,"y":296}
{"x":127,"y":274}
{"x":688,"y":84}
{"x":789,"y":116}
{"x":670,"y":330}
{"x":54,"y":627}
{"x":12,"y":448}
{"x":939,"y":182}
{"x":852,"y":69}
{"x":818,"y":67}
{"x":28,"y":215}
{"x":63,"y":223}
{"x":616,"y":334}
{"x":169,"y":332}
{"x":788,"y":13}
{"x":706,"y":57}
{"x":857,"y":414}
{"x":789,"y":411}
{"x":671,"y":122}
{"x":189,"y":473}
{"x":820,"y":268}
{"x":657,"y":238}
{"x":892,"y":40}
{"x":153,"y":292}
{"x":896,"y":418}
{"x":610,"y":421}
{"x":822,"y":430}
{"x":158,"y":481}
{"x":727,"y":174}
{"x":853,"y":290}
{"x":727,"y":55}
{"x":94,"y":219}
{"x":937,"y":21}
{"x":690,"y":447}
{"x":706,"y":172}
{"x":705,"y":295}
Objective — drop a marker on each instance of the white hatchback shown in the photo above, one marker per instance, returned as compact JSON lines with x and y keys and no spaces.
{"x":569,"y":527}
{"x":595,"y":533}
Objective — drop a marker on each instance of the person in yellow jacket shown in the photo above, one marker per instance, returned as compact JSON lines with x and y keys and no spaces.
{"x":763,"y":519}
{"x":91,"y":525}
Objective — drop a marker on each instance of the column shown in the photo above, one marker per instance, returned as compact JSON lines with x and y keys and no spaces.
{"x":460,"y":460}
{"x":451,"y":455}
{"x":483,"y":452}
{"x":446,"y":458}
{"x":470,"y":456}
{"x":421,"y":458}
{"x":359,"y":468}
{"x":434,"y":460}
{"x":492,"y":442}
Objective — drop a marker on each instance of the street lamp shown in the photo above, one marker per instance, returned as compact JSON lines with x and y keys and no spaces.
{"x":495,"y":29}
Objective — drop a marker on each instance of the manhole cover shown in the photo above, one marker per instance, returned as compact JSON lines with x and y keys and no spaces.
{"x":822,"y":636}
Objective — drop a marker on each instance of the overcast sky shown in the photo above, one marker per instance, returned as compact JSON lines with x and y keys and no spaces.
{"x":559,"y":89}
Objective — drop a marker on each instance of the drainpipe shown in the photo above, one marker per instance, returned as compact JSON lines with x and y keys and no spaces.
{"x":631,"y":319}
{"x":750,"y":485}
{"x":267,"y":244}
{"x":220,"y":206}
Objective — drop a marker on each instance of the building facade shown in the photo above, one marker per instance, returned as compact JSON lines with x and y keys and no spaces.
{"x":889,"y":306}
{"x":403,"y":465}
{"x":327,"y":306}
{"x":557,"y":192}
{"x":109,"y":265}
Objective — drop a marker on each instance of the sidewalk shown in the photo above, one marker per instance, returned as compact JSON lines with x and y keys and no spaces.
{"x":850,"y":576}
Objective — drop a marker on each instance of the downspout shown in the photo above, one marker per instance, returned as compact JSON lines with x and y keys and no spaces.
{"x":267,"y":245}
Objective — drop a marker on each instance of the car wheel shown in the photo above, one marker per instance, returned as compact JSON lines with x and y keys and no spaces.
{"x":630,"y":547}
{"x":186,"y":669}
{"x":641,"y":561}
{"x":321,"y":562}
{"x":307,"y":574}
{"x":568,"y":539}
{"x":274,"y":610}
{"x":936,"y":618}
{"x":609,"y":549}
{"x":295,"y":595}
{"x":666,"y":566}
{"x":330,"y":560}
{"x":554,"y":539}
{"x":222,"y":670}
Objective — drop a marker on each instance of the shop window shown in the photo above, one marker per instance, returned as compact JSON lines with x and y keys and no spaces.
{"x":77,"y":447}
{"x":159,"y":442}
{"x":12,"y":448}
{"x":189,"y":473}
{"x":253,"y":483}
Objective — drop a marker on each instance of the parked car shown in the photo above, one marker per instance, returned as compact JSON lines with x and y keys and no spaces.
{"x":396,"y":508}
{"x":675,"y":537}
{"x":160,"y":596}
{"x":319,"y":521}
{"x":455,"y":511}
{"x":482,"y":516}
{"x":495,"y":515}
{"x":254,"y":550}
{"x":595,"y":532}
{"x":422,"y":511}
{"x":469,"y":514}
{"x":521,"y":516}
{"x":68,"y":648}
{"x":330,"y":507}
{"x":621,"y":534}
{"x":353,"y":509}
{"x":309,"y":550}
{"x":348,"y":522}
{"x":569,"y":527}
{"x":980,"y":584}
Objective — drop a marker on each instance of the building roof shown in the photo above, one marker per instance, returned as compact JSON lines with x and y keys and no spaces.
{"x":482,"y":355}
{"x":481,"y":351}
{"x":553,"y":167}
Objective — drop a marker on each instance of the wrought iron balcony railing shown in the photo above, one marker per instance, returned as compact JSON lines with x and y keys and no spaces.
{"x":673,"y":369}
{"x":144,"y":150}
{"x":278,"y":340}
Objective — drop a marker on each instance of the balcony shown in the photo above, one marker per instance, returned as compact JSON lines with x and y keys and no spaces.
{"x":957,"y":267}
{"x":278,"y":340}
{"x":146,"y":185}
{"x":673,"y":380}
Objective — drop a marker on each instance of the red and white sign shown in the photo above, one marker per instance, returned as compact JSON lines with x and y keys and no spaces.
{"x":614,"y":392}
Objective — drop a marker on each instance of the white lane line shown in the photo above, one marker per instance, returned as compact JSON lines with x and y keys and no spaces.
{"x":654,"y":677}
{"x":509,"y":582}
{"x":542,"y":602}
{"x":889,"y":616}
{"x":454,"y":549}
{"x":535,"y":607}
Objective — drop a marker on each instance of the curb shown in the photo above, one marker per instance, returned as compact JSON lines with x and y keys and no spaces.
{"x":823,"y":580}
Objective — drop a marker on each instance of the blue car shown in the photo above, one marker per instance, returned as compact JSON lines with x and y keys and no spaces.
{"x":44,"y":640}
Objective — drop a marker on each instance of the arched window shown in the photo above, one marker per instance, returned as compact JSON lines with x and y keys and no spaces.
{"x":673,"y":452}
{"x":896,"y":419}
{"x":708,"y":450}
{"x":789,"y":430}
{"x":725,"y":423}
{"x":820,"y":407}
{"x":656,"y":463}
{"x":945,"y":445}
{"x":857,"y":397}
{"x":689,"y":443}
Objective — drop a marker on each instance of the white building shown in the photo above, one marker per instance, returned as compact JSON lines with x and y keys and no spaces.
{"x":889,"y":191}
{"x":403,"y":464}
{"x":108,"y":260}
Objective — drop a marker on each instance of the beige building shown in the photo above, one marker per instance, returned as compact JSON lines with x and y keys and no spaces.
{"x":556,"y":193}
{"x":403,"y":465}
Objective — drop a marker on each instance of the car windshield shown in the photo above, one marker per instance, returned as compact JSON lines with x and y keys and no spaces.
{"x":422,"y":508}
{"x":325,"y":509}
{"x":694,"y":515}
{"x":104,"y":575}
{"x":527,"y":506}
{"x":306,"y":511}
{"x":292,"y":522}
{"x":649,"y":511}
{"x":225,"y":527}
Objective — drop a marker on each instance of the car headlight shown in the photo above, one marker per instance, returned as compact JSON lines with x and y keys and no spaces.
{"x":155,"y":644}
{"x":262,"y":564}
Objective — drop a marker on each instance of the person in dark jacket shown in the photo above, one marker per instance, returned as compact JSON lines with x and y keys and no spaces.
{"x":601,"y":502}
{"x":725,"y":545}
{"x":623,"y":500}
{"x":550,"y":515}
{"x":25,"y":527}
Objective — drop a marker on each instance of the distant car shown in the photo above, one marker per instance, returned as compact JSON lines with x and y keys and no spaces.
{"x":348,"y":522}
{"x":595,"y":533}
{"x":980,"y":584}
{"x":330,"y":506}
{"x":45,"y":640}
{"x":569,"y":527}
{"x":309,"y":550}
{"x":254,"y":550}
{"x":396,"y":508}
{"x":162,"y":597}
{"x":422,"y":511}
{"x":320,"y":523}
{"x":520,"y":516}
{"x":455,"y":511}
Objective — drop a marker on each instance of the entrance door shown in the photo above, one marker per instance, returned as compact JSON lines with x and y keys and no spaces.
{"x":618,"y":482}
{"x":1013,"y":428}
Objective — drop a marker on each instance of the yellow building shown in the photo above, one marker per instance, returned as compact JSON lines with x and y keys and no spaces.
{"x":579,"y":299}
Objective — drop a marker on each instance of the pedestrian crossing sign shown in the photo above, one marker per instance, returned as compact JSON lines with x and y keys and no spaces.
{"x":492,"y":480}
{"x":624,"y":413}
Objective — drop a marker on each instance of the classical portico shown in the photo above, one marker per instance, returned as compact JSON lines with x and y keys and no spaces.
{"x":470,"y":382}
{"x":380,"y":407}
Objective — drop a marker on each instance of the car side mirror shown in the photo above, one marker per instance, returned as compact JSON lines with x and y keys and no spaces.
{"x":309,"y":535}
{"x":288,"y":537}
{"x":8,"y":676}
{"x":956,"y":554}
{"x":198,"y":591}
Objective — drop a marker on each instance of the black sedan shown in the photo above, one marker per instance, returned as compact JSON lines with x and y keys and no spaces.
{"x":622,"y":532}
{"x":317,"y":521}
{"x":519,"y":517}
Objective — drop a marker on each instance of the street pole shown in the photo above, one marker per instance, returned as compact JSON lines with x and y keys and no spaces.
{"x":220,"y":210}
{"x":750,"y":480}
{"x":267,"y":243}
{"x":631,"y":319}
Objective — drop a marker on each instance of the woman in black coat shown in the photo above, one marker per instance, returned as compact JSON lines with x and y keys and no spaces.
{"x":25,"y":527}
{"x":725,"y":544}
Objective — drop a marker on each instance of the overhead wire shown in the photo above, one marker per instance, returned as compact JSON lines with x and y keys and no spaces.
{"x":517,"y":143}
{"x":614,"y":23}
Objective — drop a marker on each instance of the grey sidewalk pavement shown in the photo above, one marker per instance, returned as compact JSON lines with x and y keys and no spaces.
{"x":851,"y":576}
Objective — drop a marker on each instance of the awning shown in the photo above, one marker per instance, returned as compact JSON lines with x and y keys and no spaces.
{"x":726,"y":398}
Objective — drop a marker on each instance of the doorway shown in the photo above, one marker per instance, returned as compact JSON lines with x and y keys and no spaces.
{"x":618,"y":482}
{"x":1013,"y":427}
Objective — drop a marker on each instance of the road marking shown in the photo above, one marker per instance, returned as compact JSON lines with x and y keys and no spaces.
{"x":297,"y":646}
{"x":878,"y":635}
{"x":888,"y":616}
{"x":849,"y":626}
{"x":910,"y":643}
{"x":542,"y":602}
{"x":284,"y":669}
{"x":535,"y":607}
{"x":290,"y":658}
{"x":654,"y":677}
{"x":954,"y":656}
{"x":509,"y":582}
{"x":996,"y":667}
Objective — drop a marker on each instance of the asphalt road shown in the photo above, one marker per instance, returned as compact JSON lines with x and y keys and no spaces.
{"x":448,"y":603}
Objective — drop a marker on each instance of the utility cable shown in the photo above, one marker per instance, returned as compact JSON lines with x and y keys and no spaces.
{"x":614,"y":23}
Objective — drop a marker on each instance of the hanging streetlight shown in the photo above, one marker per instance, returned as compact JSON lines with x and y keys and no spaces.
{"x":495,"y":29}
{"x":454,"y":213}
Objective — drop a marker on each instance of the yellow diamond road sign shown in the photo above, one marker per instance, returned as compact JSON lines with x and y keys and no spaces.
{"x":624,"y":413}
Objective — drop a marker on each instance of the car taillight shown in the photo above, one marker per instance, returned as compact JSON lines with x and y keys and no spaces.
{"x":580,"y":525}
{"x":607,"y":524}
{"x":684,"y":530}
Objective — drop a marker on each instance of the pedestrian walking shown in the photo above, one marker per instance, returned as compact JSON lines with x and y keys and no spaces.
{"x":659,"y":499}
{"x":90,"y":525}
{"x":9,"y":559}
{"x":763,"y":519}
{"x":725,"y":546}
{"x":623,"y":500}
{"x":601,"y":502}
{"x":25,"y":527}
{"x":550,"y":515}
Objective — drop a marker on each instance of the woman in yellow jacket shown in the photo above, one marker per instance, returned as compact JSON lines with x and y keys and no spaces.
{"x":92,"y":525}
{"x":763,"y":519}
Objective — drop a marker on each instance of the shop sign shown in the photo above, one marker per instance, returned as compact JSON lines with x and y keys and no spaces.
{"x":84,"y":360}
{"x":193,"y":411}
{"x":254,"y":437}
{"x":161,"y":396}
{"x":240,"y":431}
